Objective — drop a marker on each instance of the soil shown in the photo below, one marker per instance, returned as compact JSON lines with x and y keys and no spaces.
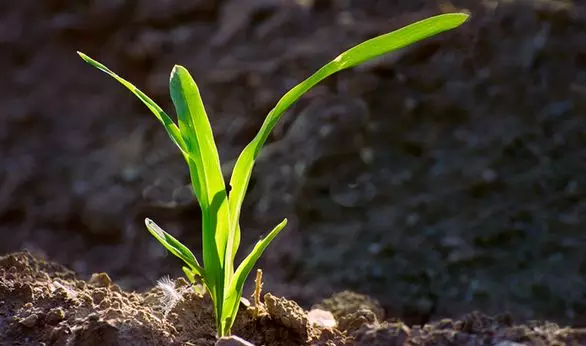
{"x":444,"y":179}
{"x":44,"y":303}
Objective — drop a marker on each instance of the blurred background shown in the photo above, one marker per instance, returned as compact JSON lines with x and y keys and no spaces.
{"x":443,"y":178}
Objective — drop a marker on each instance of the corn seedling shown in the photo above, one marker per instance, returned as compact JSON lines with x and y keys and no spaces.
{"x":192,"y":134}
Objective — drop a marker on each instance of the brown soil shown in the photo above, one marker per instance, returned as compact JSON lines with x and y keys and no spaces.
{"x":44,"y":303}
{"x":444,"y":179}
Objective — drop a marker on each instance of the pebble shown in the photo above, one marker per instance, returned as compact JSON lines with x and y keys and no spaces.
{"x":55,"y":316}
{"x":322,"y":318}
{"x":30,"y":321}
{"x":232,"y":340}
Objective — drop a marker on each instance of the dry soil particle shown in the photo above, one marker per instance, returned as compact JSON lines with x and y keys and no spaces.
{"x":44,"y":303}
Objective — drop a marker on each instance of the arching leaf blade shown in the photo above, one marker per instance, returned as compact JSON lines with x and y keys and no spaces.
{"x":243,"y":270}
{"x":169,"y":125}
{"x":174,"y":246}
{"x":356,"y":55}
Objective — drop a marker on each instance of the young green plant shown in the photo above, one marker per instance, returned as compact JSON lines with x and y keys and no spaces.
{"x":192,"y":134}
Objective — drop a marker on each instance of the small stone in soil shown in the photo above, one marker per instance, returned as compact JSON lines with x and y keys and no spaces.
{"x":322,"y":318}
{"x":30,"y":321}
{"x":232,"y":341}
{"x":100,"y":280}
{"x":55,"y":316}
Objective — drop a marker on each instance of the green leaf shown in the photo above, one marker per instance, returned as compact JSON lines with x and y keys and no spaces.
{"x":356,"y":55}
{"x":189,"y":274}
{"x":196,"y":131}
{"x":207,"y":179}
{"x":174,"y":247}
{"x":169,"y":125}
{"x":237,"y":284}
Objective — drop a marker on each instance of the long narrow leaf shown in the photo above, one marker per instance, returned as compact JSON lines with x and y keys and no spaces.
{"x":196,"y":131}
{"x":190,"y":274}
{"x":356,"y":55}
{"x":174,"y":246}
{"x":237,"y":284}
{"x":205,"y":169}
{"x":169,"y":125}
{"x":359,"y":54}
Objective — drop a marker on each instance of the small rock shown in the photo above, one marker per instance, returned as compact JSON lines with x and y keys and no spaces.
{"x":55,"y":316}
{"x":93,"y":317}
{"x":232,"y":340}
{"x":100,"y":280}
{"x":245,"y":302}
{"x":30,"y":321}
{"x":59,"y":335}
{"x":322,"y":318}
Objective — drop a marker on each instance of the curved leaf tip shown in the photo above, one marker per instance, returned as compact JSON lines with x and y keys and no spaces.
{"x":152,"y":226}
{"x":177,"y":68}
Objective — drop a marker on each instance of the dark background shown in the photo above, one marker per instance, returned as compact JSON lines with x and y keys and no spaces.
{"x":447,"y":177}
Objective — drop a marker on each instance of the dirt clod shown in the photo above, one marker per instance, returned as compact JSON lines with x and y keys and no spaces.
{"x":347,"y":303}
{"x":382,"y":334}
{"x":30,"y":321}
{"x":354,"y":320}
{"x":100,"y":280}
{"x":289,"y":314}
{"x":55,"y":315}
